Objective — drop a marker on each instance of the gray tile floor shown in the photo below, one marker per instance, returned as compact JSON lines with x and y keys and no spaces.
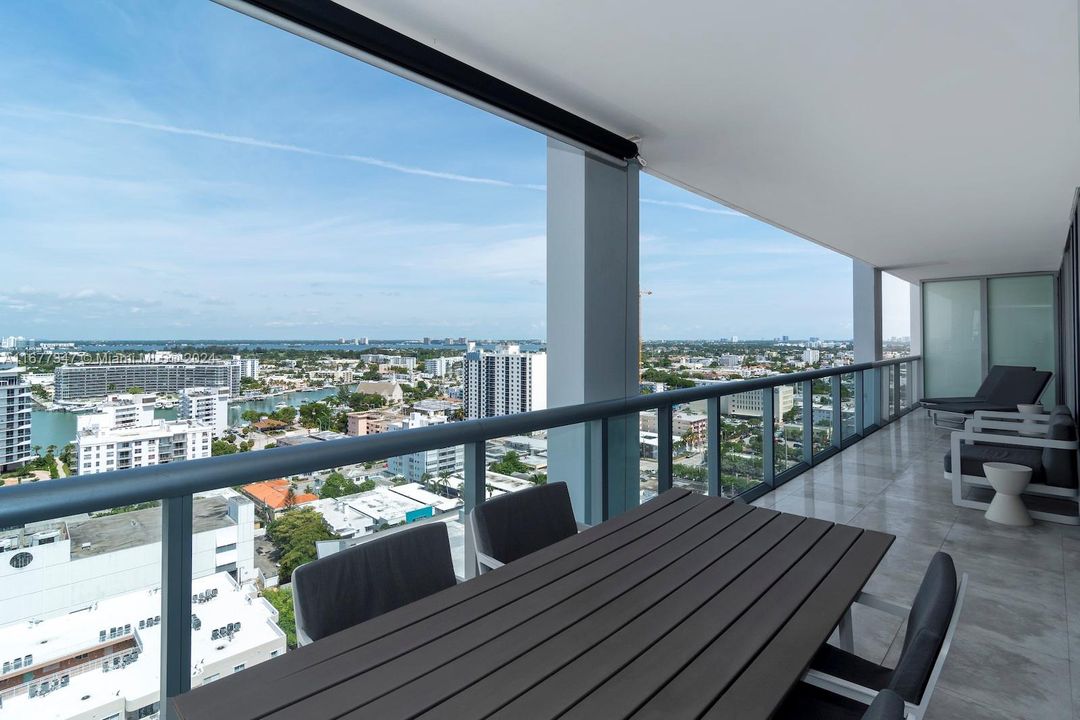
{"x":1017,"y":649}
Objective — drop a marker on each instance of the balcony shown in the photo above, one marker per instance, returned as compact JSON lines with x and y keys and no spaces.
{"x":833,"y":140}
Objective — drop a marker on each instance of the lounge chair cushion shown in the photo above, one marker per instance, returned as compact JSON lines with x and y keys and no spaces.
{"x":1059,"y":466}
{"x":972,"y":458}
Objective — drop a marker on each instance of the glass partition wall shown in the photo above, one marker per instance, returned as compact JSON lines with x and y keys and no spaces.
{"x":971,"y":324}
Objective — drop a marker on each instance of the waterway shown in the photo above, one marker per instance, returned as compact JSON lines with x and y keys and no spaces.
{"x":58,"y":427}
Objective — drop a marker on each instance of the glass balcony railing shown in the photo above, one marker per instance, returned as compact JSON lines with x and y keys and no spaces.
{"x":201,"y":540}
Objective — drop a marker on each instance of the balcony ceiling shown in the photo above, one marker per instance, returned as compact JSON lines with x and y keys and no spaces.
{"x":932,"y":139}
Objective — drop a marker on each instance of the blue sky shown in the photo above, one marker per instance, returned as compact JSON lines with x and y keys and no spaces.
{"x":175,"y":170}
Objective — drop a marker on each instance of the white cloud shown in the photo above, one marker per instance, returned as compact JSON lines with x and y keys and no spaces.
{"x":271,"y":145}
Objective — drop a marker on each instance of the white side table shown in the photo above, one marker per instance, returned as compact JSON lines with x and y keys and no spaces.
{"x":1030,"y":428}
{"x":1009,"y":481}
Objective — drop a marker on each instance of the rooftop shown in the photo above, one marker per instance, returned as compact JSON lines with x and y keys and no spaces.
{"x":108,"y":533}
{"x":65,"y":636}
{"x":272,"y":493}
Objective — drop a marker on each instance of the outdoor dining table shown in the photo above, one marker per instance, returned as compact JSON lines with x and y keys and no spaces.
{"x":687,"y":606}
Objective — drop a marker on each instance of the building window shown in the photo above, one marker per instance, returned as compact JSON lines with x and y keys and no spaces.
{"x":239,"y":667}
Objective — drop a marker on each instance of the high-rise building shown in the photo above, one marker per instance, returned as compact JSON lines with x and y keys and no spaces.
{"x":90,"y":380}
{"x":249,"y":367}
{"x":811,"y":356}
{"x":14,"y":418}
{"x":433,"y":463}
{"x":504,"y":382}
{"x":209,"y":406}
{"x":103,"y":450}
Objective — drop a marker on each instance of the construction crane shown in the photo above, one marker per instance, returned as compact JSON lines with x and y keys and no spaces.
{"x":641,"y":340}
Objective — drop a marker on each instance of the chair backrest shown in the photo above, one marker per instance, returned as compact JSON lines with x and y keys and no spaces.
{"x":1059,"y":464}
{"x":928,"y":622}
{"x":886,"y":706}
{"x":997,"y":374}
{"x":1020,"y":386}
{"x":372,"y":578}
{"x":513,"y":525}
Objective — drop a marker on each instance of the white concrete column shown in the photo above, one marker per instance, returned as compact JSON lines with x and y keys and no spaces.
{"x":592,"y":323}
{"x":866,"y":304}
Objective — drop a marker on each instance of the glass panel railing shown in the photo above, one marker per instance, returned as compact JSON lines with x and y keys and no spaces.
{"x":788,"y":427}
{"x":741,"y":437}
{"x":847,"y":406}
{"x":689,"y":438}
{"x":822,"y":409}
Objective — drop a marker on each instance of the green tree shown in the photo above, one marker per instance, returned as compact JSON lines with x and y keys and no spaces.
{"x":251,"y":415}
{"x":337,"y":485}
{"x":294,"y":535}
{"x":285,"y":414}
{"x":510,"y":464}
{"x":367,"y":486}
{"x":135,"y":390}
{"x":222,"y":447}
{"x":316,"y":415}
{"x":365,"y":401}
{"x":282,"y":600}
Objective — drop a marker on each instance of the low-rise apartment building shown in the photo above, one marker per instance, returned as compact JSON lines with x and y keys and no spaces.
{"x":100,"y":449}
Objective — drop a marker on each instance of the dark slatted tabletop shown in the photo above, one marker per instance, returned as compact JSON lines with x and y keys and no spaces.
{"x":685,"y":607}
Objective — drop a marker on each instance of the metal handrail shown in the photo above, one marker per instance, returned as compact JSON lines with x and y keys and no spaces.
{"x":51,"y":499}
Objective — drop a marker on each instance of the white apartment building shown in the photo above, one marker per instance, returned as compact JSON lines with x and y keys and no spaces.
{"x":405,"y":361}
{"x":504,"y":382}
{"x":415,"y":465}
{"x":89,"y":380}
{"x":811,"y":356}
{"x":15,"y":404}
{"x":54,"y":568}
{"x":209,"y":406}
{"x":103,"y":662}
{"x":119,"y":411}
{"x":749,"y":404}
{"x":440,"y":366}
{"x":249,"y":367}
{"x":102,"y":450}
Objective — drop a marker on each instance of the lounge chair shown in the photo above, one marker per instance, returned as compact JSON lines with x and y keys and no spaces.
{"x":997,"y":374}
{"x":1046,"y":443}
{"x":1019,"y":387}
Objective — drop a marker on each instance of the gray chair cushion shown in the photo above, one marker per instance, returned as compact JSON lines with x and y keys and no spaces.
{"x":913,"y":671}
{"x":886,"y":706}
{"x":993,"y":378}
{"x":842,"y":664}
{"x":1059,"y":465}
{"x":367,"y":580}
{"x":806,"y":702}
{"x":972,"y":458}
{"x":1019,"y":386}
{"x":513,"y":525}
{"x":927,"y":622}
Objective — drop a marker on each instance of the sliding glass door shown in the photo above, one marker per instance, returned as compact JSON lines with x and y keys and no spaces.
{"x":1022,"y":325}
{"x":952,"y":337}
{"x":972,"y":324}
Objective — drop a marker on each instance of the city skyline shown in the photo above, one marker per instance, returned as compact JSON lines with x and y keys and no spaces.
{"x":164,"y":186}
